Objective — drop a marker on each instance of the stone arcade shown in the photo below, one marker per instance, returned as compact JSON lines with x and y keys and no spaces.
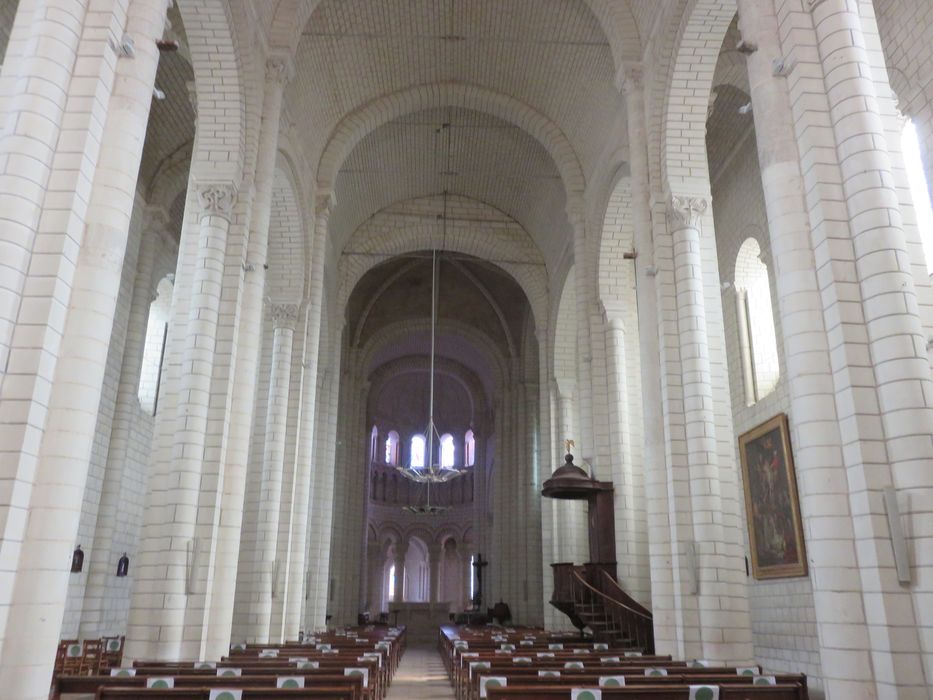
{"x":660,"y":223}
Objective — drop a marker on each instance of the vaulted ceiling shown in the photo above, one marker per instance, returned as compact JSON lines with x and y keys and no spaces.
{"x":548,"y":58}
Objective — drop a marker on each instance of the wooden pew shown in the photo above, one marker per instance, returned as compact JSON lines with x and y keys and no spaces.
{"x":591,"y":680}
{"x":644,"y":692}
{"x":90,"y":684}
{"x":122,"y":693}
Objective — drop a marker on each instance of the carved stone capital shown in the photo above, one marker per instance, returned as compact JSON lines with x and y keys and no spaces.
{"x":278,"y":70}
{"x":631,"y":78}
{"x":686,"y":211}
{"x":216,"y":198}
{"x":324,"y":204}
{"x":284,"y":315}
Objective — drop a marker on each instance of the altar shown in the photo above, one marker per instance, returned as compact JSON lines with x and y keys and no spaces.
{"x":421,"y":619}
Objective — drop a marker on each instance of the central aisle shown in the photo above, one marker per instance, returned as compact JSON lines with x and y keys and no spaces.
{"x":421,"y":674}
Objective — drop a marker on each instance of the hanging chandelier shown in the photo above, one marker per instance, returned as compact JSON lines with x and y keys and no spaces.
{"x":432,"y":471}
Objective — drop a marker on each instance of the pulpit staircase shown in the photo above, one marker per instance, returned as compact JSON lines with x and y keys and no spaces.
{"x":592,"y":598}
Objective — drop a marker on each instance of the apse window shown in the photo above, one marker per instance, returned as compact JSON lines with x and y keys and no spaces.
{"x":447,"y":450}
{"x":919,"y":190}
{"x":154,"y":349}
{"x":469,"y":449}
{"x":417,"y":451}
{"x":755,"y":320}
{"x":391,"y":452}
{"x":392,"y":582}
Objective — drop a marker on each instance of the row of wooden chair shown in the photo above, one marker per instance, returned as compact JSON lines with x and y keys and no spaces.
{"x":90,"y":657}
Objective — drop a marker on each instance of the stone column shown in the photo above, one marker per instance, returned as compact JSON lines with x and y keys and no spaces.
{"x":724,"y":628}
{"x":33,"y":119}
{"x":81,"y":320}
{"x":284,"y":318}
{"x":585,"y":439}
{"x":655,"y":465}
{"x":859,"y":605}
{"x":110,"y":540}
{"x":401,"y":551}
{"x":436,"y":555}
{"x":622,"y":473}
{"x":467,"y":569}
{"x":169,"y":549}
{"x":216,"y":638}
{"x":375,"y":559}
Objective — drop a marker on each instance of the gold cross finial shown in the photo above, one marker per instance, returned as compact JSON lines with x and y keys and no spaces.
{"x":568,"y":444}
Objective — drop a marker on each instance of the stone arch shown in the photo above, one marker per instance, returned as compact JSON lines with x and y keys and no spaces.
{"x":357,"y":124}
{"x":287,"y":255}
{"x":703,"y":29}
{"x":615,"y":273}
{"x":503,"y":246}
{"x":619,"y":26}
{"x":212,"y":31}
{"x":401,"y":329}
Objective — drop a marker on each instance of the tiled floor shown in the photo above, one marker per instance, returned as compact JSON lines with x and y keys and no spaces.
{"x":421,"y":674}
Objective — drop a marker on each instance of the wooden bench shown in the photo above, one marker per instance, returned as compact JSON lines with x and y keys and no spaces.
{"x":90,"y":684}
{"x":329,"y":692}
{"x":646,"y":692}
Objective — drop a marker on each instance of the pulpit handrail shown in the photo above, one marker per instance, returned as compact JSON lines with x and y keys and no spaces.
{"x":628,"y":600}
{"x":612,"y":601}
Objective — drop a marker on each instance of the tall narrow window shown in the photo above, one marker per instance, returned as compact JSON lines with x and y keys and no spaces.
{"x":417,"y":451}
{"x":447,"y":450}
{"x":755,"y":322}
{"x":392,"y":582}
{"x":919,"y":190}
{"x":156,"y":331}
{"x":374,"y":444}
{"x":391,"y":453}
{"x":472,"y":577}
{"x":469,"y":449}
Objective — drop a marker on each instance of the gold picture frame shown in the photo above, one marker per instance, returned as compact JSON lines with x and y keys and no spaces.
{"x":775,"y":528}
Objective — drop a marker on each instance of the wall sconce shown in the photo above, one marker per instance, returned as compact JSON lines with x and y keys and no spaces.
{"x":123,"y":566}
{"x":77,"y":560}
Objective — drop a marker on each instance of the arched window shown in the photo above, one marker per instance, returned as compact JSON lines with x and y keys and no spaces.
{"x":374,"y":444}
{"x":919,"y":190}
{"x":417,"y":451}
{"x":447,"y":450}
{"x":755,"y":316}
{"x":156,"y":330}
{"x":391,"y":453}
{"x":469,"y":449}
{"x":392,"y":582}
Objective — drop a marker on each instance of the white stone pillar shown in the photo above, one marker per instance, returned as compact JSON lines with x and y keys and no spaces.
{"x":401,"y":551}
{"x":216,"y":638}
{"x":622,"y":476}
{"x":712,"y":585}
{"x":655,"y":465}
{"x":435,"y":555}
{"x":33,"y":620}
{"x":375,"y":560}
{"x":284,"y":318}
{"x":29,"y":138}
{"x":119,"y":487}
{"x":859,"y":606}
{"x":585,"y":439}
{"x":169,"y":550}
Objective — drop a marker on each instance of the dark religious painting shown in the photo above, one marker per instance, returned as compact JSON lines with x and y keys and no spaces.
{"x":775,"y":531}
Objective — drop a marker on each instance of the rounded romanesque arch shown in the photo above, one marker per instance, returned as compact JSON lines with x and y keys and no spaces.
{"x":500,"y":241}
{"x":367,"y":118}
{"x":696,"y":50}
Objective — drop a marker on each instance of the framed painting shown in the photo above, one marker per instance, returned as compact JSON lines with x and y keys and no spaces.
{"x":775,"y":530}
